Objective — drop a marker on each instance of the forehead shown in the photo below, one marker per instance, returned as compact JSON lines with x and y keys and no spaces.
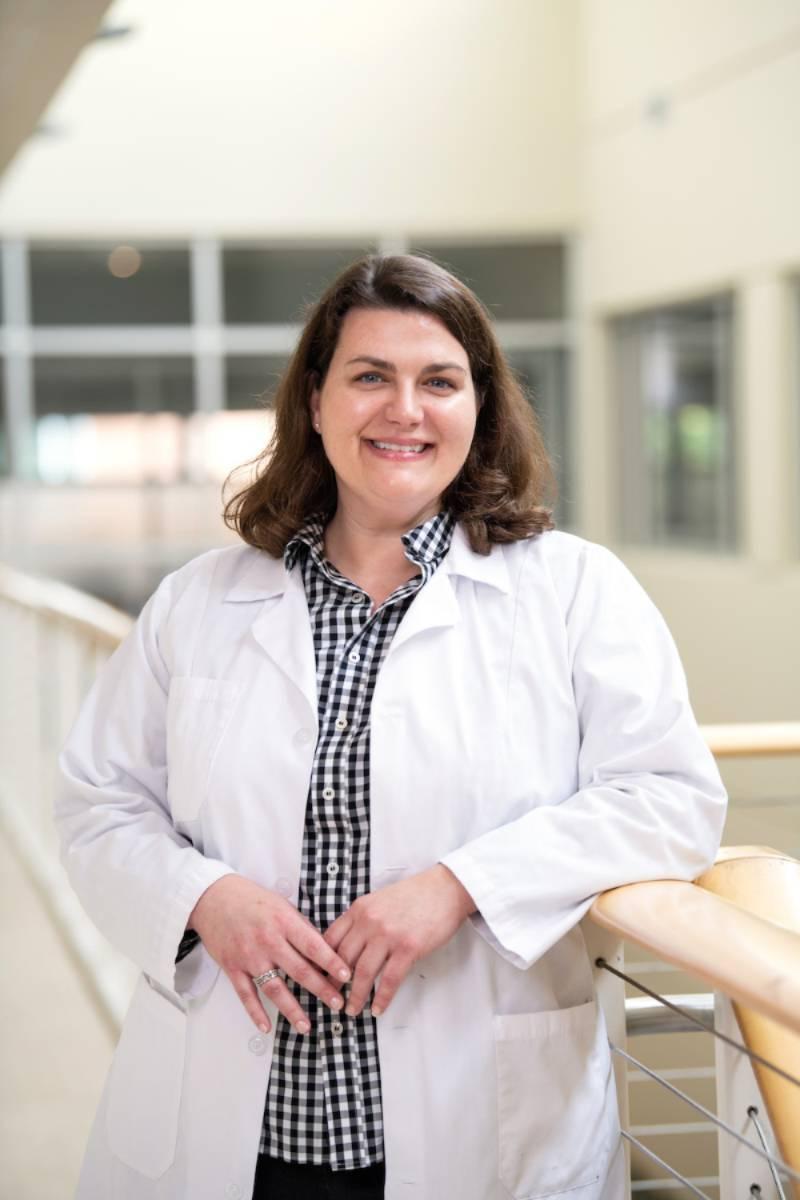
{"x":398,"y":337}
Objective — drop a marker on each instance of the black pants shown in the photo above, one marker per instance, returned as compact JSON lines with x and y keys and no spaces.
{"x":278,"y":1180}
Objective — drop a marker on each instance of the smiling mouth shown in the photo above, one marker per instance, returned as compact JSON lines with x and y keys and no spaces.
{"x":412,"y":448}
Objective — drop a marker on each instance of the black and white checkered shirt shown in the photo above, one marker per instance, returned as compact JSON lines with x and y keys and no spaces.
{"x":324,"y":1100}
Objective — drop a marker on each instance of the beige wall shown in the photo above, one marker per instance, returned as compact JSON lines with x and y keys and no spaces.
{"x":702,"y":195}
{"x":312,"y":119}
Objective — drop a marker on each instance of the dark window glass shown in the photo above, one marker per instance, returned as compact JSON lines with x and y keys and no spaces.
{"x":674,"y":368}
{"x":113,"y":385}
{"x":251,"y":382}
{"x":265,"y":286}
{"x":524,"y":282}
{"x":544,"y":376}
{"x":5,"y":457}
{"x":110,"y":285}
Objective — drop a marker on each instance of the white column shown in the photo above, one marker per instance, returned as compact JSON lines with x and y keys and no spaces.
{"x":768,"y":502}
{"x":207,"y":323}
{"x":18,"y":363}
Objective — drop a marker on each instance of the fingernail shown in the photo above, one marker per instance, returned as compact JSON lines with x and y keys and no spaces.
{"x":350,"y":1010}
{"x":264,"y":1028}
{"x":336,"y":1003}
{"x":303,"y":1027}
{"x":376,"y":1011}
{"x":344,"y":974}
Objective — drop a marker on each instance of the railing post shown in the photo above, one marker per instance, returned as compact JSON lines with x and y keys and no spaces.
{"x":740,"y":1171}
{"x":600,"y":943}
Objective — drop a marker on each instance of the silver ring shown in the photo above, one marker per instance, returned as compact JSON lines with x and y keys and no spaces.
{"x":273,"y":973}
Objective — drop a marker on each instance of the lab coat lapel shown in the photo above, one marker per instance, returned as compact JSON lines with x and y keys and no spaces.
{"x":435,"y":606}
{"x":283,"y":630}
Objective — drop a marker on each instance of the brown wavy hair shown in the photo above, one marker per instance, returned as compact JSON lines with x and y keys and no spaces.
{"x":499,"y":493}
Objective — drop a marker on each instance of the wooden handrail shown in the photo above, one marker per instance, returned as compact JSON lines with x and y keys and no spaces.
{"x":738,"y":928}
{"x":753,"y":739}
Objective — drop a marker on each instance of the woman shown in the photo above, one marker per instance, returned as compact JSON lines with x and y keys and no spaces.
{"x":368,"y":771}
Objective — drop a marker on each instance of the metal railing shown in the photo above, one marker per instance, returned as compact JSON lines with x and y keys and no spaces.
{"x":52,"y":641}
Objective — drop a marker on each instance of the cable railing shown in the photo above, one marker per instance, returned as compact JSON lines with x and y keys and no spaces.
{"x":737,"y":928}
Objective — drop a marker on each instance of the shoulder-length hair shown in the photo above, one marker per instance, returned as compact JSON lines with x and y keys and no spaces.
{"x":499,"y":492}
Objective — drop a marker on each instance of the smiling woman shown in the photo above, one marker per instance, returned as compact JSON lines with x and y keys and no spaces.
{"x":400,"y":343}
{"x":346,"y":791}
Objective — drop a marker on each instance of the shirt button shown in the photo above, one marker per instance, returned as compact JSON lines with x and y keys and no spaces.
{"x":356,"y":599}
{"x":303,"y":737}
{"x":328,"y":793}
{"x":337,"y":1028}
{"x":257,"y":1045}
{"x":341,"y":723}
{"x":333,"y":868}
{"x":354,"y":657}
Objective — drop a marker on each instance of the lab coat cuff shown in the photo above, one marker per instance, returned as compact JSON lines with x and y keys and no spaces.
{"x":492,"y":920}
{"x":199,"y":875}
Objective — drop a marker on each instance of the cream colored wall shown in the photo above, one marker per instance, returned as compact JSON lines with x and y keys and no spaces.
{"x":691,"y":184}
{"x":313,"y":119}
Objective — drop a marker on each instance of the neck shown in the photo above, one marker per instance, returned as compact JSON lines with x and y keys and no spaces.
{"x":370,"y":552}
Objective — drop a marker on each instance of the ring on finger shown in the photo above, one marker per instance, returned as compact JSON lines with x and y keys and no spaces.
{"x":272,"y":973}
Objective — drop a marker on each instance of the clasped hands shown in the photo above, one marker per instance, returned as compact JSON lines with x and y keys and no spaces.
{"x":248,"y":929}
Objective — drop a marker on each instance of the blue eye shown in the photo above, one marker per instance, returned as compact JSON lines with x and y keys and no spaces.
{"x":368,"y":376}
{"x":446,"y":382}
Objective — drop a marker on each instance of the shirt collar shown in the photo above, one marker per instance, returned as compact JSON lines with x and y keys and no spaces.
{"x":424,"y":544}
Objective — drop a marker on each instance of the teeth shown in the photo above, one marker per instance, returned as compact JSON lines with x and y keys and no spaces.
{"x":417,"y":449}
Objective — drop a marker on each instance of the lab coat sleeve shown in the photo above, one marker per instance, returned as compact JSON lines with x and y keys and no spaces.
{"x":649,"y":803}
{"x":135,"y":875}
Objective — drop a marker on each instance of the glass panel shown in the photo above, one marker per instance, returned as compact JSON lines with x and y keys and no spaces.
{"x":274,"y":286}
{"x":122,"y":385}
{"x":516,"y":282}
{"x":5,"y":464}
{"x":251,"y":382}
{"x":112,"y":420}
{"x":110,"y":285}
{"x":674,"y":370}
{"x":544,"y":376}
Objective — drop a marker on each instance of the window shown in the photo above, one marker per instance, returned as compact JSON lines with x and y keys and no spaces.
{"x":274,"y":286}
{"x":109,"y":285}
{"x":111,"y":420}
{"x":516,"y":282}
{"x":250,"y":382}
{"x":673,"y":369}
{"x":543,"y":374}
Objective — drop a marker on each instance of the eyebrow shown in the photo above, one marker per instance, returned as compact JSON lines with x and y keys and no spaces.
{"x":387,"y":366}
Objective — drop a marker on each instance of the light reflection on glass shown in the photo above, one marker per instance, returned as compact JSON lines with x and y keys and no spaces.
{"x":147,"y":448}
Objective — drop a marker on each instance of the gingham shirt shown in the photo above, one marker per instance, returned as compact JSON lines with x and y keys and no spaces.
{"x":324,"y":1100}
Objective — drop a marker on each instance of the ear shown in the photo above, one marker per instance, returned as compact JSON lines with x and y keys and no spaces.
{"x":313,"y":402}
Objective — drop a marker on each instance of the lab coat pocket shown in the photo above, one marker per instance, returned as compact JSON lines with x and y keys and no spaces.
{"x":198,"y":713}
{"x":552,"y":1092}
{"x":145,"y":1085}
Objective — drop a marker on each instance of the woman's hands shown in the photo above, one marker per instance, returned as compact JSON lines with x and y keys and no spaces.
{"x":389,"y":930}
{"x":248,"y":930}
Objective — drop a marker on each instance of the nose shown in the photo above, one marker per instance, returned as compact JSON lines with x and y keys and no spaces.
{"x":405,"y":407}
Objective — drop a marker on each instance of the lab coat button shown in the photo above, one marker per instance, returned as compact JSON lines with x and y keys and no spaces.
{"x":303,"y":737}
{"x":283,"y":886}
{"x":256,"y":1045}
{"x":233,"y":1192}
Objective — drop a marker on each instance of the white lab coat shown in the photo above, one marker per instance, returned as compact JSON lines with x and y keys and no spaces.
{"x":530,"y":729}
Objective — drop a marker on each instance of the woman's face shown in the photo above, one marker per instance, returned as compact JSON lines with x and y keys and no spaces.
{"x":396,"y":414}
